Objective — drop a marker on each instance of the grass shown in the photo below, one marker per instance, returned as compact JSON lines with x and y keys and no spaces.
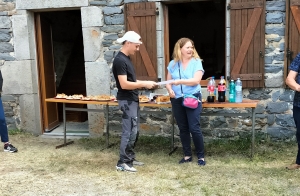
{"x":88,"y":168}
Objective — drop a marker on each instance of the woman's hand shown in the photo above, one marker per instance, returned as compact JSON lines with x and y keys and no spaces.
{"x":176,"y":82}
{"x":171,"y":93}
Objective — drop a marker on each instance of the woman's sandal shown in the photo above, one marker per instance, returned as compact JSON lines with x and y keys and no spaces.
{"x":185,"y":160}
{"x":201,"y":162}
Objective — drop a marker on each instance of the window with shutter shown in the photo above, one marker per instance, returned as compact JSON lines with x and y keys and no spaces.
{"x":292,"y":39}
{"x":141,"y":18}
{"x":190,"y":19}
{"x":247,"y":41}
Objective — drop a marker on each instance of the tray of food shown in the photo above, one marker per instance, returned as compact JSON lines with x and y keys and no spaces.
{"x":112,"y":97}
{"x":163,"y":99}
{"x":101,"y":98}
{"x":87,"y":98}
{"x":144,"y":99}
{"x":61,"y":96}
{"x":75,"y":97}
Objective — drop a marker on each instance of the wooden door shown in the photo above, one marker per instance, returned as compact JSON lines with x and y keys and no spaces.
{"x":141,"y":18}
{"x":46,"y":72}
{"x":247,"y":41}
{"x":292,"y":39}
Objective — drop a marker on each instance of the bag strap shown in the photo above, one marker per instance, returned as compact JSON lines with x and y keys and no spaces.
{"x":180,"y":77}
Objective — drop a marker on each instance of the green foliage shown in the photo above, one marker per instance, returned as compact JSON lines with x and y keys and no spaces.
{"x":14,"y":132}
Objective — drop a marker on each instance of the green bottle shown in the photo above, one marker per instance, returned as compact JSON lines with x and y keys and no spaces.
{"x":231,"y":91}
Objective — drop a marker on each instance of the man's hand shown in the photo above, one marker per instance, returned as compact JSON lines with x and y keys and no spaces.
{"x":150,"y":84}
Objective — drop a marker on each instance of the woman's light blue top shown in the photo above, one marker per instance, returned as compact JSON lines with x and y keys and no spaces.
{"x":189,"y":72}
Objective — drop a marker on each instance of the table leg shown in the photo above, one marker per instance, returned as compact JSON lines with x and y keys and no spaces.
{"x":253,"y":132}
{"x":65,"y":130}
{"x":64,"y":119}
{"x":107,"y":125}
{"x":173,"y":149}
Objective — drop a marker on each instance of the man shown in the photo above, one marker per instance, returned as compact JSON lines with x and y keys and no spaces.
{"x":8,"y":147}
{"x":127,"y":97}
{"x":293,"y":81}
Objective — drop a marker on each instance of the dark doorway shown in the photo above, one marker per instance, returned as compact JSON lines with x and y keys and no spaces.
{"x":68,"y":57}
{"x":204,"y":23}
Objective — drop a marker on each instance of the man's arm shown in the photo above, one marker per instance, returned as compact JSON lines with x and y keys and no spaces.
{"x":291,"y":80}
{"x":128,"y":85}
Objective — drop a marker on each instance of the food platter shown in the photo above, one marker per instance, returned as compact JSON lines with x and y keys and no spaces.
{"x":61,"y":96}
{"x":158,"y":102}
{"x":101,"y":100}
{"x":144,"y":101}
{"x":85,"y":98}
{"x":71,"y":98}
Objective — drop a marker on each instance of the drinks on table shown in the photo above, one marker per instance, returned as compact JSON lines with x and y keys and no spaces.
{"x":231,"y":91}
{"x":221,"y":90}
{"x":238,"y":91}
{"x":211,"y":90}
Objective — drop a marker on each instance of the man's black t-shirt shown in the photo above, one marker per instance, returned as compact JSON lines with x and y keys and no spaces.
{"x":123,"y":66}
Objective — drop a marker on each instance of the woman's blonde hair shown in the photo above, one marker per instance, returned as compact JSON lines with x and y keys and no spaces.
{"x":179,"y":44}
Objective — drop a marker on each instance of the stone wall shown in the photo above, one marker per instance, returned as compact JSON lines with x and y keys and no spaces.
{"x":10,"y":102}
{"x":273,"y":114}
{"x":276,"y":105}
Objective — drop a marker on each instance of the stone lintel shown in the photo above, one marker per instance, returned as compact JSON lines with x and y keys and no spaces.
{"x":46,"y":4}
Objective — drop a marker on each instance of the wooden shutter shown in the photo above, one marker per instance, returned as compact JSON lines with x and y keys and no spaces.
{"x":292,"y":39}
{"x":247,"y":41}
{"x":141,"y":18}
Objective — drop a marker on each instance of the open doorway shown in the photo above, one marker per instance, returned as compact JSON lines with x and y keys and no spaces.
{"x":204,"y":23}
{"x":60,"y":62}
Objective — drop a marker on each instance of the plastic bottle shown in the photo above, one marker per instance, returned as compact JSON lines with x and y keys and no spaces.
{"x":216,"y":87}
{"x":231,"y":91}
{"x":211,"y":90}
{"x":238,"y":91}
{"x":221,"y":90}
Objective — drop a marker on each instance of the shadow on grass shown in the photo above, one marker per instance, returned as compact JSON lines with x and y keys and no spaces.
{"x":266,"y":150}
{"x":145,"y":144}
{"x":226,"y":146}
{"x":219,"y":147}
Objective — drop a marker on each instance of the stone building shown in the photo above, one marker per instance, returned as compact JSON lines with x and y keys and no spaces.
{"x":52,"y":46}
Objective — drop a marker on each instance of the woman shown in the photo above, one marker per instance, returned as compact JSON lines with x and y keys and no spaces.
{"x":186,"y":70}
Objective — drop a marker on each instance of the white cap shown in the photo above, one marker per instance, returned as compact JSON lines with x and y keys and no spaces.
{"x":130,"y":36}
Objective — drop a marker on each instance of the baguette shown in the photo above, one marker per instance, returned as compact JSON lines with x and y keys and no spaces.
{"x":163,"y":99}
